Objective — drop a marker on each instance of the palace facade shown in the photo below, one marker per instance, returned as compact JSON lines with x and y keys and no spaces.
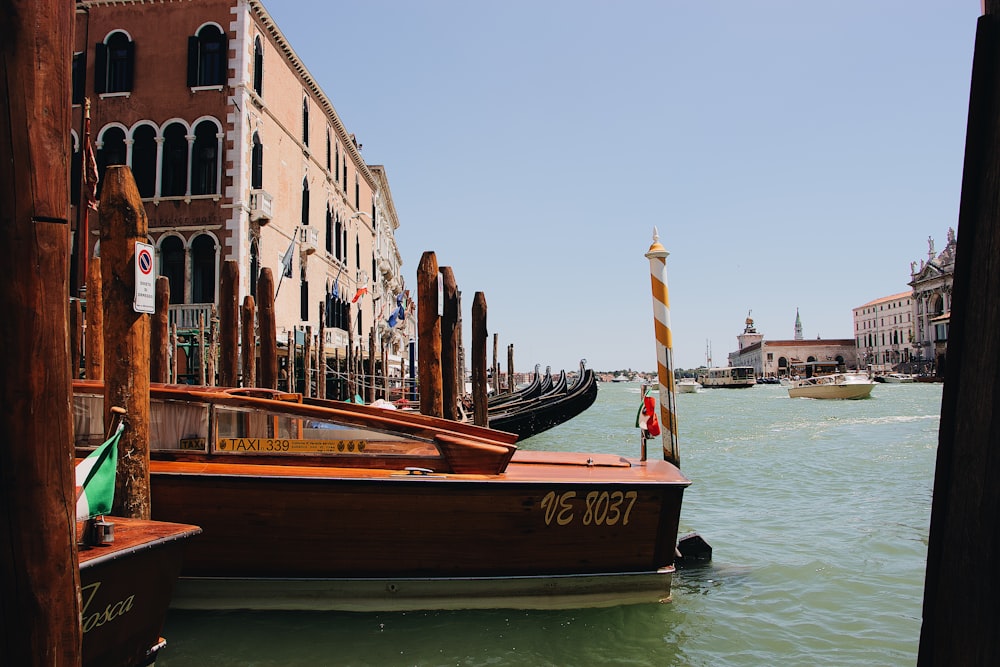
{"x":238,"y":154}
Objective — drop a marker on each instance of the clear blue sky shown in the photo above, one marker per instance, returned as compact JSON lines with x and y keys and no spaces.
{"x":792,"y":155}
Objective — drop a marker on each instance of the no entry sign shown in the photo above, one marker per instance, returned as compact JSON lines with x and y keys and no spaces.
{"x":145,"y":280}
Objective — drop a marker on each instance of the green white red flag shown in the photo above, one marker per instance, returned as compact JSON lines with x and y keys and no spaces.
{"x":95,"y":479}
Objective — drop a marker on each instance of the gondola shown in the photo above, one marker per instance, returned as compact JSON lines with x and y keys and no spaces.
{"x":528,"y":418}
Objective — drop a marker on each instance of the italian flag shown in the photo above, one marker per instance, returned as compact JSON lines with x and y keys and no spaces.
{"x":95,"y":479}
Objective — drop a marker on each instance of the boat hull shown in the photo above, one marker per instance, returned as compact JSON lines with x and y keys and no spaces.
{"x":420,"y":541}
{"x":126,"y":590}
{"x":841,"y":391}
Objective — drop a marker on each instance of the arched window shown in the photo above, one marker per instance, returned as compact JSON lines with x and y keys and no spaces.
{"x":144,"y":159}
{"x":173,"y":180}
{"x":172,"y":266}
{"x":207,"y":57}
{"x":305,"y":121}
{"x":205,"y":160}
{"x":203,"y":278}
{"x":328,"y":149}
{"x":339,"y":236}
{"x":258,"y":66}
{"x":329,"y":229}
{"x":114,"y":61}
{"x":304,"y":295}
{"x":112,"y":151}
{"x":305,"y":201}
{"x":357,"y":252}
{"x":336,"y":162}
{"x":257,"y":163}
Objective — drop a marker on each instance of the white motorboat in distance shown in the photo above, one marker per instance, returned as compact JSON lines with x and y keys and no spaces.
{"x":687,"y":386}
{"x":834,"y":385}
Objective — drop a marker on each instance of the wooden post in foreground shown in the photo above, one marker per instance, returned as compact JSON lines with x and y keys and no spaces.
{"x":95,"y":320}
{"x":229,"y":324}
{"x":511,"y":383}
{"x":449,"y":346}
{"x":480,"y":382}
{"x":159,"y":346}
{"x":249,"y":347}
{"x":39,"y":607}
{"x":126,"y":338}
{"x":960,"y":612}
{"x":307,"y":362}
{"x":268,"y":331}
{"x":429,"y":337}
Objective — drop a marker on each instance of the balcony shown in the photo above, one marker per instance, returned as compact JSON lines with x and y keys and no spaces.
{"x":191,"y":315}
{"x":260,"y":206}
{"x":309,"y":239}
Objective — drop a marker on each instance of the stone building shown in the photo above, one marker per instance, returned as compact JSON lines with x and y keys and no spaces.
{"x":908,"y":332}
{"x":931,"y":281}
{"x":883,"y":329}
{"x":238,"y":154}
{"x":779,"y":358}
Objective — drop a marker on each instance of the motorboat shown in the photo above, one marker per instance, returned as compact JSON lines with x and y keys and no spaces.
{"x":687,"y":386}
{"x":834,"y":385}
{"x":309,"y":503}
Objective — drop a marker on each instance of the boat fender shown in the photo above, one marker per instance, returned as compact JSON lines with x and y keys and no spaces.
{"x":692,"y":550}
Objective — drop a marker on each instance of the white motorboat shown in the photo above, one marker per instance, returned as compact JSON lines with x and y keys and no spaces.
{"x":687,"y":386}
{"x":834,"y":385}
{"x":897,"y":378}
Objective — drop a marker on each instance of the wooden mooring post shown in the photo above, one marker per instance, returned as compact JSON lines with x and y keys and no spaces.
{"x":159,"y":347}
{"x":95,"y":320}
{"x":249,"y":340}
{"x":480,"y":383}
{"x":126,"y":337}
{"x":429,"y":337}
{"x":39,"y":607}
{"x":268,"y":331}
{"x":960,"y":611}
{"x":229,"y":324}
{"x":449,"y":346}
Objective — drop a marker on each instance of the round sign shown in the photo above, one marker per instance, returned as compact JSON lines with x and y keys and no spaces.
{"x":145,"y":261}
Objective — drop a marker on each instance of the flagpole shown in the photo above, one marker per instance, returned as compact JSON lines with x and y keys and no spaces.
{"x":657,"y":256}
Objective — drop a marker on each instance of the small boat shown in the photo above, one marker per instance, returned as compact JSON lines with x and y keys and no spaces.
{"x":728,"y":377}
{"x":126,"y":587}
{"x":317,"y":504}
{"x":897,"y":378}
{"x":834,"y":385}
{"x":687,"y":386}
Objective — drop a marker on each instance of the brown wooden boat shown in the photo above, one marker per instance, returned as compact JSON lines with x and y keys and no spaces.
{"x":126,"y":587}
{"x":329,"y":505}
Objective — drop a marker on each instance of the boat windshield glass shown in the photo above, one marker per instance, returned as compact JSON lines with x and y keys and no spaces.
{"x":243,"y":430}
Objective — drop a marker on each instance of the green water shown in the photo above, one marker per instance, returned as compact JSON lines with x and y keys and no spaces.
{"x":818,"y":513}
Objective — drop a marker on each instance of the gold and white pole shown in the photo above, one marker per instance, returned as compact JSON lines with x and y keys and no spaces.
{"x":657,"y":257}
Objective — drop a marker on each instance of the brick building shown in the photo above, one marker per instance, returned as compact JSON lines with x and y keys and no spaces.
{"x":238,"y":154}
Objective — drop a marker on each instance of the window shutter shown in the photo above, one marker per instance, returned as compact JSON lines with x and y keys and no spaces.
{"x":100,"y":68}
{"x":130,"y":66}
{"x":192,"y":61}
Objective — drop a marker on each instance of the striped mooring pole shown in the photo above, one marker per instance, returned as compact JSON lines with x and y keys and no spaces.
{"x":657,"y":256}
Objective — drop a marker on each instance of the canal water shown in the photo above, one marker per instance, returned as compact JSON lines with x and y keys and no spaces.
{"x":817,"y":511}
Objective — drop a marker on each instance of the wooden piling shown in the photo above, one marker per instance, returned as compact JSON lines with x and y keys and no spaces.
{"x":39,"y":607}
{"x":963,"y":552}
{"x":450,"y":377}
{"x":75,"y":336}
{"x":429,"y":337}
{"x":249,"y":347}
{"x":479,"y":379}
{"x":293,"y":353}
{"x":229,"y":324}
{"x":202,"y":360}
{"x":496,"y":364}
{"x":511,"y":384}
{"x":95,"y":320}
{"x":212,"y":354}
{"x":159,"y":327}
{"x":321,"y":353}
{"x":126,"y":337}
{"x":371,"y":365}
{"x":307,"y":362}
{"x":268,"y":331}
{"x":173,"y":352}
